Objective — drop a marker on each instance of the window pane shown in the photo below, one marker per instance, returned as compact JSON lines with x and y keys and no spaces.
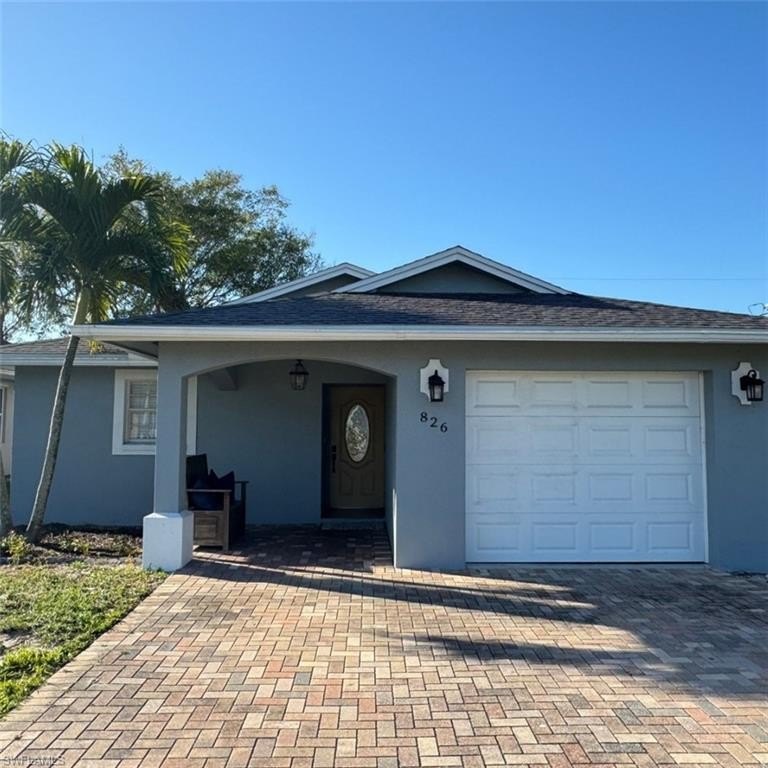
{"x":142,"y":394}
{"x":357,"y":433}
{"x":141,"y":426}
{"x":141,"y":411}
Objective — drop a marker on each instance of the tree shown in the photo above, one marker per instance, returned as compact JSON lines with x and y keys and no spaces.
{"x":81,"y":238}
{"x":15,"y":159}
{"x":241,"y":241}
{"x":6,"y":523}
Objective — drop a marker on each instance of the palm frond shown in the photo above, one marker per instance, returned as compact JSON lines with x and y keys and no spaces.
{"x":119,"y":194}
{"x":81,"y":175}
{"x":9,"y":275}
{"x":45,"y":280}
{"x":45,"y":198}
{"x":15,"y":155}
{"x":177,"y":238}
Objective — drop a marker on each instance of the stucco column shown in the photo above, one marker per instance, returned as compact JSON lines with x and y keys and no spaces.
{"x":168,"y":530}
{"x":430,"y":471}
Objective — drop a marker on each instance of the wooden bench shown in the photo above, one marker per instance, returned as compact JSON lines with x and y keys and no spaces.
{"x":225,"y":523}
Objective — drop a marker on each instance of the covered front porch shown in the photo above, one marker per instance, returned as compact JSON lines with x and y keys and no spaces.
{"x":313,"y":450}
{"x":288,"y":443}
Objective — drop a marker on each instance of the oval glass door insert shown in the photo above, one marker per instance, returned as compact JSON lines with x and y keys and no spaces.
{"x":357,"y":433}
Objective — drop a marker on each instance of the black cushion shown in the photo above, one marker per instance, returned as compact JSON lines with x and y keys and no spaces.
{"x":197,"y":468}
{"x":223,"y":483}
{"x":206,"y":501}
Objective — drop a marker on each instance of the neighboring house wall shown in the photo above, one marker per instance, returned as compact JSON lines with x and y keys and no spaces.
{"x":452,"y":278}
{"x":271,"y":435}
{"x":6,"y":423}
{"x":90,"y":485}
{"x":429,"y":471}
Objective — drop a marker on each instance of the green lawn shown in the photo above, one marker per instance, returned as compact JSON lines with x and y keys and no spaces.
{"x":51,"y":612}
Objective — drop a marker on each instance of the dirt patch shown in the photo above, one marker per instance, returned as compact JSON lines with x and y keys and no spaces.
{"x":14,"y":639}
{"x":61,"y":544}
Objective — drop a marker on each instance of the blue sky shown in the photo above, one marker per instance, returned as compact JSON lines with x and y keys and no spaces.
{"x":619,"y":149}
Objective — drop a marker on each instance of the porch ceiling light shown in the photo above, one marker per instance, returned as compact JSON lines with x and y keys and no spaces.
{"x":436,"y":388}
{"x":298,"y":376}
{"x":752,"y":386}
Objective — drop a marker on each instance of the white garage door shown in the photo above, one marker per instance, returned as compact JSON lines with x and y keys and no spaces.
{"x":584,"y":467}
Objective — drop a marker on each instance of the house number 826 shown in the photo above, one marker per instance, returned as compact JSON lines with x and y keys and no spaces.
{"x":425,"y":418}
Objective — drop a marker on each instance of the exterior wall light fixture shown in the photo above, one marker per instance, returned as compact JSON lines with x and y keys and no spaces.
{"x":436,"y":388}
{"x":746,"y":385}
{"x":298,"y":376}
{"x":433,"y":381}
{"x":752,"y":385}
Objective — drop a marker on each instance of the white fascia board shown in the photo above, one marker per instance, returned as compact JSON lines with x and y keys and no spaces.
{"x":452,"y":255}
{"x":283,"y":289}
{"x":92,"y":361}
{"x":419,"y":333}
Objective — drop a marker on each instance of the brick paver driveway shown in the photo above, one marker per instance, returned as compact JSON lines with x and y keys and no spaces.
{"x":308,"y":649}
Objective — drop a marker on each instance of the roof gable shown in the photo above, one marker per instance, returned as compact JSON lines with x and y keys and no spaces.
{"x":453,"y":278}
{"x":333,"y":278}
{"x":455,"y":255}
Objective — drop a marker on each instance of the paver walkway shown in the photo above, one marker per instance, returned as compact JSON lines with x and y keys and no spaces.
{"x":308,"y":649}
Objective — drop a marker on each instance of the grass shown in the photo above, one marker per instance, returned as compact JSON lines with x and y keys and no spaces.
{"x":49,"y":613}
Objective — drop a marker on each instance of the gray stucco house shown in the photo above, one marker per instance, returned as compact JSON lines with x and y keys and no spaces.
{"x":572,"y":428}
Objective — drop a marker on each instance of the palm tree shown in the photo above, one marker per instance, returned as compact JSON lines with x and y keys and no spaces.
{"x":85,"y":239}
{"x":15,"y":158}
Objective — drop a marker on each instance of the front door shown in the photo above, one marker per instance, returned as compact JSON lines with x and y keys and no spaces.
{"x":355,"y":450}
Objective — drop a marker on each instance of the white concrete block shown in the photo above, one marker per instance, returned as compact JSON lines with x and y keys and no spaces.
{"x":168,"y":540}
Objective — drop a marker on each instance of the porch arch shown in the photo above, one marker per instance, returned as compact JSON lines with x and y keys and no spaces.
{"x":204,"y":357}
{"x":261,"y":429}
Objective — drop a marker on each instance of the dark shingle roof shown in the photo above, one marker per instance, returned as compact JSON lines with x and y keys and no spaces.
{"x":522,"y":310}
{"x":59,"y":347}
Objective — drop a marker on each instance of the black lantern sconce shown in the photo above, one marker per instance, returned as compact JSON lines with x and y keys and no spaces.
{"x":433,"y":381}
{"x":752,"y":386}
{"x":298,"y":376}
{"x":436,"y":388}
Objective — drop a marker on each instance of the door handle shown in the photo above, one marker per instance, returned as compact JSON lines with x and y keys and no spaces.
{"x":333,"y":459}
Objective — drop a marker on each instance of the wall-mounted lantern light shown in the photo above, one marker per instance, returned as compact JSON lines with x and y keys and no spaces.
{"x":752,"y":386}
{"x":436,"y":388}
{"x":298,"y":376}
{"x":746,"y":385}
{"x":433,"y":381}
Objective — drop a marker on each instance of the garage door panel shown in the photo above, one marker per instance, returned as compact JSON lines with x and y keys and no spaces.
{"x":496,"y":539}
{"x":585,"y":490}
{"x":555,"y":538}
{"x":495,"y":441}
{"x":603,"y":440}
{"x":618,"y":478}
{"x":615,"y":539}
{"x":492,"y":489}
{"x":495,"y":393}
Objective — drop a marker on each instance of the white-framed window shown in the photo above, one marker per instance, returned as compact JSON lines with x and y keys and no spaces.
{"x":134,"y":424}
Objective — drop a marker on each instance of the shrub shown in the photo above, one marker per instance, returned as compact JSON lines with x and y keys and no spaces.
{"x":16,"y":547}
